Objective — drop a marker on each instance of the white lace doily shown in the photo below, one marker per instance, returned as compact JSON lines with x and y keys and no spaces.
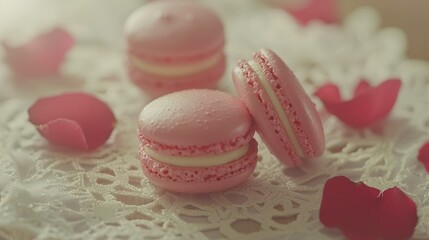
{"x":49,"y":193}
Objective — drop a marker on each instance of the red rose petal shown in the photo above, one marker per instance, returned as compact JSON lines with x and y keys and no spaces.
{"x":361,"y":205}
{"x":336,"y":193}
{"x":369,"y":105}
{"x":342,"y":204}
{"x":398,"y":215}
{"x":325,"y":11}
{"x":423,"y":156}
{"x":363,"y":213}
{"x":42,"y":56}
{"x":362,"y":87}
{"x":74,"y":120}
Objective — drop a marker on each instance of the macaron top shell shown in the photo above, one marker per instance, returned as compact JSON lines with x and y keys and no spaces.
{"x":197,"y":120}
{"x":172,"y":30}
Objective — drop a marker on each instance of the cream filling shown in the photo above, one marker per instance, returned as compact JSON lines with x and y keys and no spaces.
{"x":277,"y":107}
{"x":199,"y":161}
{"x":175,"y":70}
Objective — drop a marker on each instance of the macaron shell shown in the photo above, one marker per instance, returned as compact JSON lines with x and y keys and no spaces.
{"x":200,"y":179}
{"x":267,"y":124}
{"x":158,"y":85}
{"x":167,"y":29}
{"x":195,"y":119}
{"x":297,"y":106}
{"x":295,"y":101}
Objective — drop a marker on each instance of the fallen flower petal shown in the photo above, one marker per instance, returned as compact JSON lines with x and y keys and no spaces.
{"x":362,"y":87}
{"x":345,"y":204}
{"x":361,"y":205}
{"x":325,"y":11}
{"x":364,"y":213}
{"x":64,"y":132}
{"x":42,"y":56}
{"x":397,"y":214}
{"x":75,"y":120}
{"x":334,"y":203}
{"x":423,"y":156}
{"x":368,"y":106}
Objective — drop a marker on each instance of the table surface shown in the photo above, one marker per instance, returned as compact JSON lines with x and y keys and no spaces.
{"x":50,"y":193}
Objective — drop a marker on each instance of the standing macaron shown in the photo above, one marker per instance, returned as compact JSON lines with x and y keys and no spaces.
{"x":285,"y":116}
{"x":197,"y":141}
{"x":174,"y":45}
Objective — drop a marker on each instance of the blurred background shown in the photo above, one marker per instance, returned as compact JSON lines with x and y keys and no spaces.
{"x":410,"y":16}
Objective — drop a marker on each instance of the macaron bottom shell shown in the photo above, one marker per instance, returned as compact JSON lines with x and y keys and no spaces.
{"x":156,"y":85}
{"x":200,"y":179}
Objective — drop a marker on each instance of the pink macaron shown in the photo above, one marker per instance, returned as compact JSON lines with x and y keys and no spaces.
{"x":197,"y":141}
{"x":174,"y":45}
{"x":285,"y":116}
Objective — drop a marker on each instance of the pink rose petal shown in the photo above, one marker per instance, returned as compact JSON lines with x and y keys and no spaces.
{"x":75,"y":120}
{"x":42,"y":56}
{"x":64,"y":132}
{"x":364,"y":213}
{"x":322,"y":10}
{"x":369,"y":105}
{"x":423,"y":156}
{"x":362,"y":87}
